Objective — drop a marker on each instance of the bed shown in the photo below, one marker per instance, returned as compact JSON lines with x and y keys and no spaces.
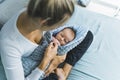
{"x":102,"y":60}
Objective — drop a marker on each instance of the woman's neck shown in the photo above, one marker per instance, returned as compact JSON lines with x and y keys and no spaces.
{"x":28,"y":29}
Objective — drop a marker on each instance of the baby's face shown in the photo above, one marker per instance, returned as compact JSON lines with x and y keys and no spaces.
{"x":65,"y":36}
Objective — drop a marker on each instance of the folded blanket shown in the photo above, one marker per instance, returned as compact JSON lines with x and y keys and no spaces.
{"x":32,"y":61}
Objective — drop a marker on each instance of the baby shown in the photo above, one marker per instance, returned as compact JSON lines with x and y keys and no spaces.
{"x":64,"y":36}
{"x":61,"y":38}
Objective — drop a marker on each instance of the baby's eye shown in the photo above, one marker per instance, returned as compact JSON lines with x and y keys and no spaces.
{"x":62,"y":35}
{"x":65,"y":41}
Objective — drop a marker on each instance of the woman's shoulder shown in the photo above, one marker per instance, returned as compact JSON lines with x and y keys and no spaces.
{"x":9,"y":30}
{"x":9,"y":47}
{"x":12,"y":21}
{"x":9,"y":37}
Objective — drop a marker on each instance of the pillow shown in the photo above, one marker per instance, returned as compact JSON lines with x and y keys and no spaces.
{"x":1,"y":1}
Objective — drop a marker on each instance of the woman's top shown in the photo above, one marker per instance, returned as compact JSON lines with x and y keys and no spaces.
{"x":13,"y":45}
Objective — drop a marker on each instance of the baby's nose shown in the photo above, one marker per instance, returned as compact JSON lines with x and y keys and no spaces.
{"x":62,"y":39}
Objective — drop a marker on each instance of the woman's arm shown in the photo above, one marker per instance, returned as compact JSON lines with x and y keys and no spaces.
{"x":11,"y":59}
{"x":54,"y":63}
{"x":12,"y":64}
{"x":62,"y":73}
{"x":50,"y":53}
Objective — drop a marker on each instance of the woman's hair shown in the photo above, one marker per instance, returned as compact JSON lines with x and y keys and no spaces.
{"x":54,"y":11}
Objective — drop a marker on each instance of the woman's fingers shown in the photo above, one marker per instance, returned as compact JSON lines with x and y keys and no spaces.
{"x":51,"y":45}
{"x":53,"y":65}
{"x":60,"y":73}
{"x":54,"y":45}
{"x":51,"y":50}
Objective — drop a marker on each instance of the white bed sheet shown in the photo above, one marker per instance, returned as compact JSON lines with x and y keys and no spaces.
{"x":102,"y":59}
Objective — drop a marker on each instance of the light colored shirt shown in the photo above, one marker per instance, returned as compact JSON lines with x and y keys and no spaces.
{"x":13,"y":45}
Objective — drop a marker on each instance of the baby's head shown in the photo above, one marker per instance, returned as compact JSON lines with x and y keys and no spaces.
{"x":65,"y":36}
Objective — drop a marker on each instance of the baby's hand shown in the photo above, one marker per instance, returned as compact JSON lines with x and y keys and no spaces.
{"x":56,"y":41}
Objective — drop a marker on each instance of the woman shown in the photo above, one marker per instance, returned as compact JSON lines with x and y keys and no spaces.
{"x":22,"y":33}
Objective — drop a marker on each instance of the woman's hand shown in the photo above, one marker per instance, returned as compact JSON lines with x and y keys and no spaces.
{"x":54,"y":63}
{"x":60,"y":73}
{"x":51,"y":51}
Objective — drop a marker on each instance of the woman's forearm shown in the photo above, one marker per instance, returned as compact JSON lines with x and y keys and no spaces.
{"x":49,"y":54}
{"x":67,"y":68}
{"x":44,"y":63}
